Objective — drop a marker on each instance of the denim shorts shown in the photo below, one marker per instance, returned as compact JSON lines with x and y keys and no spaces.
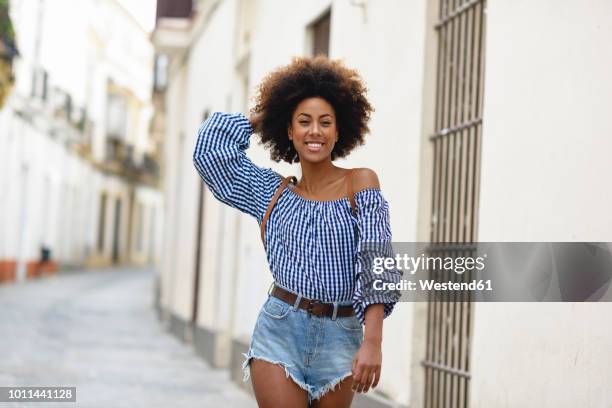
{"x":316,"y":352}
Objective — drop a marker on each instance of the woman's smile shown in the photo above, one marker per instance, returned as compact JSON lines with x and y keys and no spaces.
{"x":314,"y":147}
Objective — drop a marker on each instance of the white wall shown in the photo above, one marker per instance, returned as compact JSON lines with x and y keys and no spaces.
{"x":545,"y":177}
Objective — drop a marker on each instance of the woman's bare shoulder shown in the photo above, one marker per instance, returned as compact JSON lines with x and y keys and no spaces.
{"x":364,"y":178}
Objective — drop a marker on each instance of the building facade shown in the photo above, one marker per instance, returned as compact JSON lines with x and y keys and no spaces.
{"x":80,"y":168}
{"x":495,"y":136}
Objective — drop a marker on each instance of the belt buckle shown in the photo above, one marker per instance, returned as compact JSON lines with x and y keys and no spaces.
{"x":311,"y":304}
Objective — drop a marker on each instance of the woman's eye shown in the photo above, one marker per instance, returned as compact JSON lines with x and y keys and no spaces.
{"x":326,"y":123}
{"x":304,"y":123}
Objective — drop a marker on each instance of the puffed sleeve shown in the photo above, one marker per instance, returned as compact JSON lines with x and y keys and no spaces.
{"x":374,"y":241}
{"x":221,"y":161}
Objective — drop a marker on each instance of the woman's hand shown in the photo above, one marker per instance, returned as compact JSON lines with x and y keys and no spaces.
{"x":367,"y":361}
{"x":366,"y":366}
{"x":255,"y":119}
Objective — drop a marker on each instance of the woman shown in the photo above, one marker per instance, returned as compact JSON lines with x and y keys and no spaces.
{"x":308,"y":346}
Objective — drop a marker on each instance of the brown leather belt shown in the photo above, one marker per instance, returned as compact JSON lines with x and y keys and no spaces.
{"x":315,"y":307}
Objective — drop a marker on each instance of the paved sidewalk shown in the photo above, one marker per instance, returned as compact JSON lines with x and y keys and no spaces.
{"x":98,"y":331}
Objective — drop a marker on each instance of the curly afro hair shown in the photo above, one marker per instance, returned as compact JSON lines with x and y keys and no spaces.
{"x":283,"y":89}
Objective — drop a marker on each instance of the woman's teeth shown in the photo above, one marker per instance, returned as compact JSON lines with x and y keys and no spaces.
{"x":314,"y":147}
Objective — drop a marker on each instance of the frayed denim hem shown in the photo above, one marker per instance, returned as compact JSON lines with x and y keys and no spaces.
{"x":247,"y":371}
{"x":312,"y":395}
{"x":329,"y":387}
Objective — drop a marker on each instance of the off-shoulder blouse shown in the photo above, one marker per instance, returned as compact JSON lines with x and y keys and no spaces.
{"x":314,"y":248}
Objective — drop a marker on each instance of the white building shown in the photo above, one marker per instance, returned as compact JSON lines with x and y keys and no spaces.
{"x":503,"y":91}
{"x":78,"y":168}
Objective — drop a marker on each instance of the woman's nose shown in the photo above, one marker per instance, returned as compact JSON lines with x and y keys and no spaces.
{"x":316,"y":129}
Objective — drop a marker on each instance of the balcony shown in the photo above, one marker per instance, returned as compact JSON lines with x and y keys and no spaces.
{"x":172,"y":27}
{"x":122,"y":161}
{"x":174,"y":8}
{"x":150,"y":166}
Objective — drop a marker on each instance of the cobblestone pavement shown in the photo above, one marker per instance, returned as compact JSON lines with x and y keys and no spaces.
{"x":97,"y":330}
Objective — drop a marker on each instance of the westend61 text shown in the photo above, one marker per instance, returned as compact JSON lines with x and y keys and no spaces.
{"x":430,"y":284}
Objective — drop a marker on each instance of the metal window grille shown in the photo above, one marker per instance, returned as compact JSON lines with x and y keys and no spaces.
{"x":456,"y":173}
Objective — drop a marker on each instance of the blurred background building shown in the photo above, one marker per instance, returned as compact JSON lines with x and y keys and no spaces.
{"x":490,"y":125}
{"x":79,"y":164}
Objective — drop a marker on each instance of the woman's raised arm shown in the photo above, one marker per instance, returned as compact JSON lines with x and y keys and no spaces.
{"x":220,"y":159}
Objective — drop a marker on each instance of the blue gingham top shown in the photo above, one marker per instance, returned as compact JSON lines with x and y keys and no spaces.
{"x":312,"y":246}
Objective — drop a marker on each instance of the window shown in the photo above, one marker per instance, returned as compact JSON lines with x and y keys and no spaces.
{"x":116,"y":116}
{"x":319,"y":32}
{"x":160,"y":75}
{"x":40,"y":84}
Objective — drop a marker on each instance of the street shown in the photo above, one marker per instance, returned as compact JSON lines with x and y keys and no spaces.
{"x":98,"y":331}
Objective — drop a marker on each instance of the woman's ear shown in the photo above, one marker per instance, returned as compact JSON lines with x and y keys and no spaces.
{"x":290,"y":132}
